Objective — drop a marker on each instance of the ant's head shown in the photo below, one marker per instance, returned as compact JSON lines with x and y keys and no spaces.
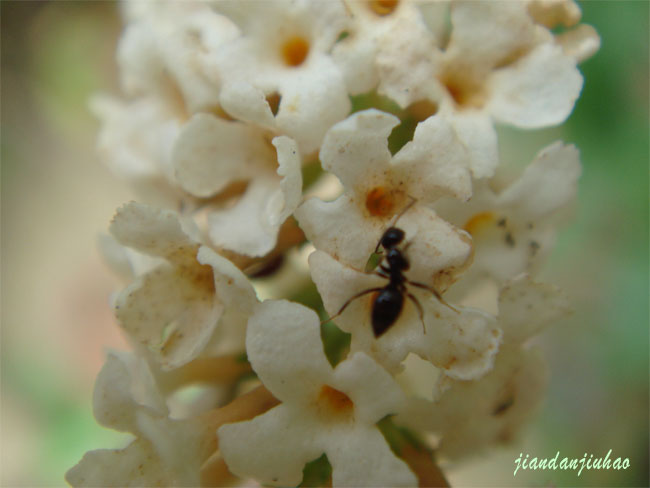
{"x":397,"y":260}
{"x":392,"y":237}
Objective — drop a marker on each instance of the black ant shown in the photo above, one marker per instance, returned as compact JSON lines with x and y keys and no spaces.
{"x":389,"y":301}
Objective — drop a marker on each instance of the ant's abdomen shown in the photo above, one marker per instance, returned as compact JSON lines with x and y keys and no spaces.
{"x":385,"y":309}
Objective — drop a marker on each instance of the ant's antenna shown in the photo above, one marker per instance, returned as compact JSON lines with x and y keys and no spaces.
{"x":404,"y":210}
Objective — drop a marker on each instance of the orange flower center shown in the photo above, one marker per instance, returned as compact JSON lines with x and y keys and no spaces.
{"x":295,"y":51}
{"x":334,"y":402}
{"x":478,"y":222}
{"x":380,"y":202}
{"x":383,"y":7}
{"x":465,"y":89}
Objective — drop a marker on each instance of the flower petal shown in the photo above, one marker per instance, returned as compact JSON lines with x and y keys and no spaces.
{"x":285,"y":349}
{"x":361,"y":457}
{"x":230,"y":284}
{"x":182,"y":445}
{"x":312,"y":102}
{"x":123,"y":386}
{"x":514,"y":231}
{"x":164,"y":50}
{"x":126,"y":148}
{"x":153,"y":231}
{"x":462,"y":344}
{"x":525,"y":307}
{"x":580,"y":43}
{"x":211,"y":153}
{"x":407,"y":60}
{"x":357,"y":148}
{"x":475,"y":130}
{"x":236,"y":292}
{"x":473,"y":415}
{"x":538,"y":90}
{"x":503,"y":252}
{"x":134,"y":466}
{"x":247,"y":103}
{"x":340,"y":229}
{"x":253,"y":223}
{"x":313,"y":96}
{"x":547,"y":184}
{"x":485,"y":34}
{"x":356,"y":61}
{"x":244,"y":227}
{"x":273,"y":447}
{"x":551,"y":13}
{"x":169,"y":453}
{"x":172,"y":310}
{"x":435,"y":162}
{"x":289,"y":168}
{"x":371,"y":388}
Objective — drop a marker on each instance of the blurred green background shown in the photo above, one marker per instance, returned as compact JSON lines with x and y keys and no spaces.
{"x":56,"y":198}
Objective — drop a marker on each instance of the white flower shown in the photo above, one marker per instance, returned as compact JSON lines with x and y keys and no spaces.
{"x":470,"y":415}
{"x":324,"y":410}
{"x":284,"y":51}
{"x":169,"y":162}
{"x":226,"y":100}
{"x":173,"y":147}
{"x":165,"y":452}
{"x":135,"y":142}
{"x":163,"y":50}
{"x":212,"y":153}
{"x":462,"y":343}
{"x":377,"y":187}
{"x":196,"y":302}
{"x":579,"y":41}
{"x":514,"y":230}
{"x":498,"y":65}
{"x":375,"y":23}
{"x":551,"y":13}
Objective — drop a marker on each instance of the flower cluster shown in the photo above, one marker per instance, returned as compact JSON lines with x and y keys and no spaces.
{"x":363,"y":131}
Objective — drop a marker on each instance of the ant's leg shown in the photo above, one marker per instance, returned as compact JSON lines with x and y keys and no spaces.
{"x":358,"y":295}
{"x":434,"y":291}
{"x":419,"y":307}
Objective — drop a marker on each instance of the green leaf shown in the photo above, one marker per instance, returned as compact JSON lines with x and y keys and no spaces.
{"x":373,"y":261}
{"x":317,"y":472}
{"x":398,"y":437}
{"x":336,"y":343}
